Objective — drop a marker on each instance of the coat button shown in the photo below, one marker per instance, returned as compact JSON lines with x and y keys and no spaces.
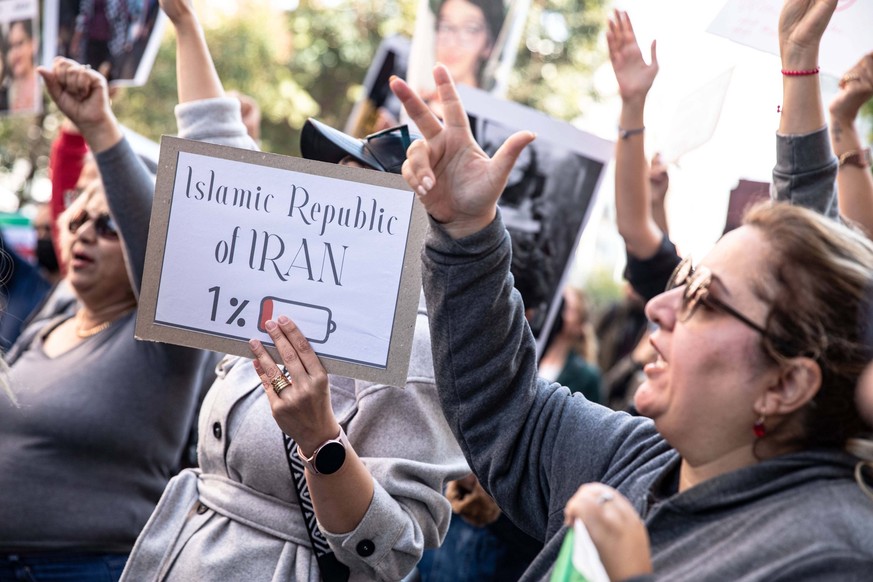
{"x":216,"y":430}
{"x":365,"y":548}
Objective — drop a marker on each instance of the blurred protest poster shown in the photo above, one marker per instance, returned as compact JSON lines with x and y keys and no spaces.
{"x":547,"y":199}
{"x":19,"y":44}
{"x":378,"y":108}
{"x":754,"y":23}
{"x":476,"y":39}
{"x":119,"y":38}
{"x":704,"y":106}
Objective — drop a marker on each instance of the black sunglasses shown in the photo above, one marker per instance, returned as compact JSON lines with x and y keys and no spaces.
{"x":697,"y":282}
{"x":104,"y":226}
{"x":389,"y":147}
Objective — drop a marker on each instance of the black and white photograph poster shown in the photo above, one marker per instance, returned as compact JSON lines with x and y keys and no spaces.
{"x":548,"y":198}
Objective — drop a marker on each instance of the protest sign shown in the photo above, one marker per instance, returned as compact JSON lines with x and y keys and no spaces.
{"x":19,"y":54}
{"x":547,"y":199}
{"x":703,"y":106}
{"x":119,"y":38}
{"x":755,"y":23}
{"x":238,"y":237}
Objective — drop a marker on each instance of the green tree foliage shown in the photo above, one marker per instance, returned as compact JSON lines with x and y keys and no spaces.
{"x":558,"y":56}
{"x":311,"y":62}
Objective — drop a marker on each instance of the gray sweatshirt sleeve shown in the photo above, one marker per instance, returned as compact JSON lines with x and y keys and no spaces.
{"x":130,"y":188}
{"x":806,"y":172}
{"x":217,"y":121}
{"x":530,"y":442}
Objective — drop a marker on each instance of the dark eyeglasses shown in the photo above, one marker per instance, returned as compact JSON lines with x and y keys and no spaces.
{"x":104,"y":226}
{"x":697,"y":282}
{"x":389,"y":146}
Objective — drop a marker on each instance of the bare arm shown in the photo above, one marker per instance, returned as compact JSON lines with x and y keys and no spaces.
{"x":195,"y":72}
{"x":854,"y":182}
{"x":633,"y":199}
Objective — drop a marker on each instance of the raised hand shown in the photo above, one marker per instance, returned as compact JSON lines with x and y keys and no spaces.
{"x":615,"y":527}
{"x":303,"y":409}
{"x":82,"y":95}
{"x":801,"y":26}
{"x":856,"y":88}
{"x":455,"y":180}
{"x":177,"y":10}
{"x":634,"y":76}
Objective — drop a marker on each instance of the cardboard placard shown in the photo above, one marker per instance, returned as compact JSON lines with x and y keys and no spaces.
{"x":238,"y":237}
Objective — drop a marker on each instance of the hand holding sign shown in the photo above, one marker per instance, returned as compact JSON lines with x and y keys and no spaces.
{"x":456,"y":181}
{"x":302,"y":410}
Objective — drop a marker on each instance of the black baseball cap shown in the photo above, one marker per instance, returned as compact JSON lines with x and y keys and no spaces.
{"x":384,"y":151}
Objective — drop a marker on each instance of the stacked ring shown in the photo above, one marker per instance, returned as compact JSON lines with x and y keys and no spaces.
{"x":848,"y":78}
{"x":279,"y":383}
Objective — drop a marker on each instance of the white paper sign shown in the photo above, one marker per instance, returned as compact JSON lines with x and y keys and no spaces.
{"x":696,"y":118}
{"x":248,"y":237}
{"x":755,"y":23}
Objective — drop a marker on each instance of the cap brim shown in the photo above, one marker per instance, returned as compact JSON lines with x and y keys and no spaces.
{"x":325,"y":144}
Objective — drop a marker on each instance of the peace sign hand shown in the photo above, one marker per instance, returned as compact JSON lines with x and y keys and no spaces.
{"x":456,"y":181}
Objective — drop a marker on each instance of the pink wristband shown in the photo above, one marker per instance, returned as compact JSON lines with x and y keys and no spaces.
{"x":790,"y":73}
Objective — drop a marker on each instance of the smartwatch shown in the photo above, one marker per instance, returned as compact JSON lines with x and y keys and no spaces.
{"x":328,"y":457}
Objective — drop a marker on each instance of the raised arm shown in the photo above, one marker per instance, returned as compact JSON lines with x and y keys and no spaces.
{"x":854,"y":180}
{"x":805,"y":170}
{"x":204,"y":112}
{"x":633,"y":199}
{"x":82,"y":95}
{"x":488,"y":382}
{"x":196,"y":76}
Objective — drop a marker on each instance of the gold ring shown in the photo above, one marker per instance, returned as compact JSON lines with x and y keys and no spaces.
{"x":848,"y":78}
{"x":279,"y":383}
{"x":605,"y":497}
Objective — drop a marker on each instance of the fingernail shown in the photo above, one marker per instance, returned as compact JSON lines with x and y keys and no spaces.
{"x":421,"y":191}
{"x":283,"y":319}
{"x":270,"y":325}
{"x":428,"y":183}
{"x":254,"y":344}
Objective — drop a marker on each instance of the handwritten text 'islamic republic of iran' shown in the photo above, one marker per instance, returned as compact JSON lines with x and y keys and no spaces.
{"x":268,"y":251}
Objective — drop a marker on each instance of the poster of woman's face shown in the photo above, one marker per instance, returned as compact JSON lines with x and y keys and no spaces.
{"x":19,"y":83}
{"x":119,"y":38}
{"x":475,"y":39}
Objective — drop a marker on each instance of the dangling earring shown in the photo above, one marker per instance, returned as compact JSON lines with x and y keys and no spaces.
{"x":758,"y":428}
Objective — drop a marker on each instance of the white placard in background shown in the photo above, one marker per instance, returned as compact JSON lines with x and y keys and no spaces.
{"x":240,"y":237}
{"x":696,"y":118}
{"x":755,"y":23}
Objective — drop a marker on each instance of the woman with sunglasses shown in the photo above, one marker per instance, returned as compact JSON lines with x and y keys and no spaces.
{"x":101,"y":420}
{"x":742,"y":470}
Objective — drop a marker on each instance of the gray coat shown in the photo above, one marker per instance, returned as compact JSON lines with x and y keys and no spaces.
{"x":237,"y":517}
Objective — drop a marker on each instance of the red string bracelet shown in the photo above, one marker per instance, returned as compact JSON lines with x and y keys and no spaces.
{"x":790,"y":73}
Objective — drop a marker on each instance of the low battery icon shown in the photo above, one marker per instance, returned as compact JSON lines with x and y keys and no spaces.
{"x":313,"y":320}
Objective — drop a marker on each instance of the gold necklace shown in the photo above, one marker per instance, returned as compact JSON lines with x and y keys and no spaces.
{"x":92,"y":331}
